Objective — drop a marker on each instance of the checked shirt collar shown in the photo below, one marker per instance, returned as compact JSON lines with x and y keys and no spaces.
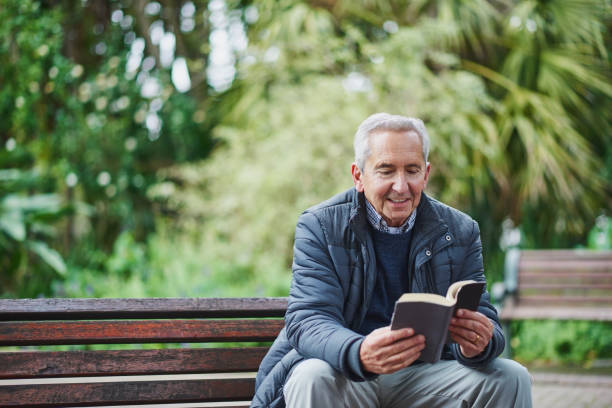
{"x":377,"y":221}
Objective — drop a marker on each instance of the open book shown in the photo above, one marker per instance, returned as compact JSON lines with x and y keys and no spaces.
{"x":430,"y":314}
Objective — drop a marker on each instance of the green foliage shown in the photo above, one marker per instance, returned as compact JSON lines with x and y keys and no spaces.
{"x":249,"y":209}
{"x":288,"y":151}
{"x":552,"y":342}
{"x":73,"y":108}
{"x":600,"y":237}
{"x":165,"y":266}
{"x":27,"y":227}
{"x":120,"y":184}
{"x":508,"y":140}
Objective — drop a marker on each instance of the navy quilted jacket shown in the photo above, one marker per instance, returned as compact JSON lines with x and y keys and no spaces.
{"x":334,"y":271}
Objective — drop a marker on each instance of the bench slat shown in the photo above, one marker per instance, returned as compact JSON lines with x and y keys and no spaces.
{"x":597,"y":287}
{"x":147,"y":331}
{"x":566,"y":254}
{"x":577,"y":265}
{"x":545,"y":300}
{"x":122,"y":393}
{"x":555,"y":275}
{"x":563,"y":313}
{"x":46,"y":364}
{"x":152,"y":308}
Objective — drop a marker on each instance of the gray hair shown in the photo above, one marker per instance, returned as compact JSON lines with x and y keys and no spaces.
{"x":386,"y":121}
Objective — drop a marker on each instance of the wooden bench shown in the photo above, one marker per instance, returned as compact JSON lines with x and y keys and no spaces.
{"x":558,"y":284}
{"x":148,"y":372}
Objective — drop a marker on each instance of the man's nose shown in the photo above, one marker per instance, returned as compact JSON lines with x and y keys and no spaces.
{"x":400,"y":183}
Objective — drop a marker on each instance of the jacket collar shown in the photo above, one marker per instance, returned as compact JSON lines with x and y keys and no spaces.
{"x":358,"y":218}
{"x":428,"y":221}
{"x":427,"y":224}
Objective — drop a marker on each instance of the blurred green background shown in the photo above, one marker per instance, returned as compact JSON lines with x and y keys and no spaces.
{"x":166,"y":148}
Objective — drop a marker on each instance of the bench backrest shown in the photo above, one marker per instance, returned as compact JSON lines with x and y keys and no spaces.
{"x":566,"y":284}
{"x":149,"y":374}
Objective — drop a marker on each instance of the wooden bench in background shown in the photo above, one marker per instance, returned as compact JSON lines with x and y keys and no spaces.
{"x":149,"y":374}
{"x":558,"y":284}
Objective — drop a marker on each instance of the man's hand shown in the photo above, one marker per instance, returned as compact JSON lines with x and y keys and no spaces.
{"x":385,"y":351}
{"x":472,"y":331}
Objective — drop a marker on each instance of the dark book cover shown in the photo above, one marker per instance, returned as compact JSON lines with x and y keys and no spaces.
{"x":429,"y":319}
{"x":469,"y":296}
{"x":430,"y":314}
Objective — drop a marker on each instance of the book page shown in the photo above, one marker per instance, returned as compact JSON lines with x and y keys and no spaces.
{"x":426,"y":297}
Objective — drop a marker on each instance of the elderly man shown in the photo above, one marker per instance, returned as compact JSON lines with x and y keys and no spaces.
{"x":354,"y":255}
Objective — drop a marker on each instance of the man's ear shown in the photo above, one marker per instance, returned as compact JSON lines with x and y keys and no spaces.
{"x":357,"y":178}
{"x":427,"y":170}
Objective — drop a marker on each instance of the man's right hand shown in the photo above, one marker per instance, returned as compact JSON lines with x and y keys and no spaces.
{"x":386,"y":351}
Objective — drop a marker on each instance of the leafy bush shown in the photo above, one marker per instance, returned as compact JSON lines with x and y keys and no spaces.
{"x":78,"y":120}
{"x":165,"y":266}
{"x":553,"y":342}
{"x":600,"y":237}
{"x":517,"y":105}
{"x":27,"y":226}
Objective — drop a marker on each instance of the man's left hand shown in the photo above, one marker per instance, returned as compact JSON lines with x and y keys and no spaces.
{"x":472,"y":331}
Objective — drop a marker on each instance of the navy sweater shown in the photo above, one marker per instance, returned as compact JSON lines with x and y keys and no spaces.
{"x":392,"y":278}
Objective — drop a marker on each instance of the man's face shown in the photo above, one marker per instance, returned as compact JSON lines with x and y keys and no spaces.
{"x":394,"y":176}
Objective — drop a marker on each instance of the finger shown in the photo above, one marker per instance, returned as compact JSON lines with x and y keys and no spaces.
{"x":473,"y":325}
{"x":469,"y":337}
{"x":401,"y":360}
{"x":403,"y":345}
{"x":473,"y":315}
{"x":462,"y":337}
{"x":381,"y":343}
{"x":467,"y":313}
{"x":471,"y":343}
{"x":485,"y":321}
{"x":403,"y":363}
{"x":406,"y":353}
{"x":482,"y":327}
{"x":385,"y":336}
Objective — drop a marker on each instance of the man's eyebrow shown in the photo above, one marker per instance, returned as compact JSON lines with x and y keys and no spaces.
{"x":384,"y":165}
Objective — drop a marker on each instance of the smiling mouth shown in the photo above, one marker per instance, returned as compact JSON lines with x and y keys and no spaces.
{"x":400,"y":201}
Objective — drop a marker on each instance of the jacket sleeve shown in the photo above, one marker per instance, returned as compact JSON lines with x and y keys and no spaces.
{"x":473,"y":269}
{"x":314,"y":320}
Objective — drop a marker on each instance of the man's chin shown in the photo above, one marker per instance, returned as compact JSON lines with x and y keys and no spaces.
{"x":398,"y":219}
